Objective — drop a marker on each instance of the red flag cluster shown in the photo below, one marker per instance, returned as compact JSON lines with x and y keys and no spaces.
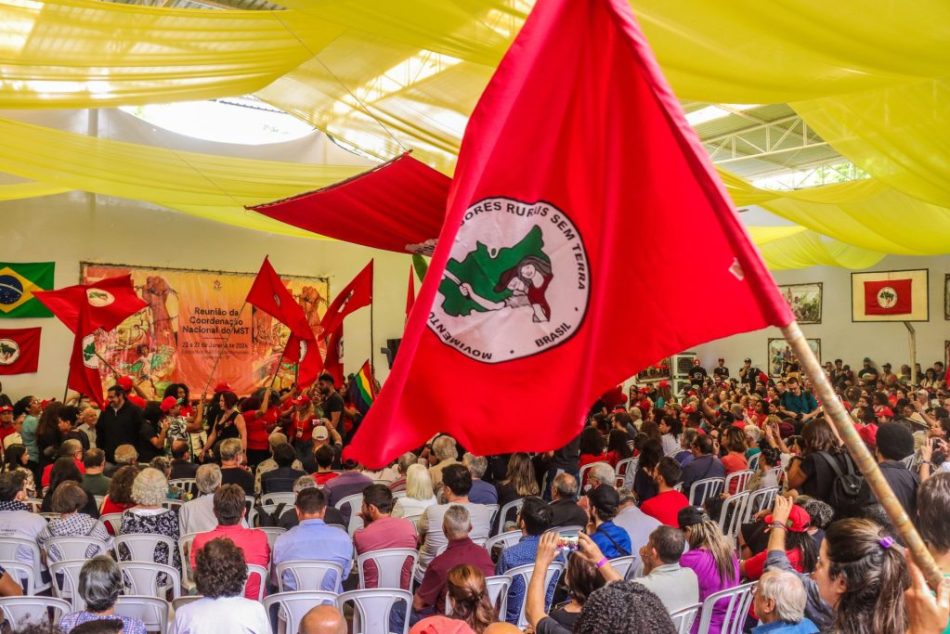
{"x":534,"y":293}
{"x":84,"y":309}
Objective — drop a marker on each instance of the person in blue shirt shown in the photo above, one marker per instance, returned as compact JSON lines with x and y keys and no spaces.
{"x":797,"y":403}
{"x":612,"y":540}
{"x":313,"y":539}
{"x":533,"y":519}
{"x":779,"y":602}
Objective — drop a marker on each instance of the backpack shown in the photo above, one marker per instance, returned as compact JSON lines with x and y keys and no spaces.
{"x":263,"y":518}
{"x":850,"y":493}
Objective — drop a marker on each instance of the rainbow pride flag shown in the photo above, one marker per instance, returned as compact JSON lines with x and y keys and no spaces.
{"x":363,"y":388}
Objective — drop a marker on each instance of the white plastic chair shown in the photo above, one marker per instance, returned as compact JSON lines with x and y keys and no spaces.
{"x":152,"y":611}
{"x":185,"y":542}
{"x":142,"y":546}
{"x":759,"y":500}
{"x":372,"y":608}
{"x":736,"y":602}
{"x":566,"y":531}
{"x":186,"y":485}
{"x":551,"y":575}
{"x":700,"y":490}
{"x":498,"y":586}
{"x":684,"y":617}
{"x":621,"y":469}
{"x":623,"y":565}
{"x":292,"y":606}
{"x":583,"y":472}
{"x":13,"y":554}
{"x":145,"y":578}
{"x":65,"y":578}
{"x":505,"y":540}
{"x":99,"y":500}
{"x":741,"y":478}
{"x":49,"y":515}
{"x":261,"y":572}
{"x":174,"y":505}
{"x":754,"y":462}
{"x":63,"y":548}
{"x":178,"y":602}
{"x":113,"y":520}
{"x":733,"y":510}
{"x":354,"y":502}
{"x":308,"y":574}
{"x":18,"y":611}
{"x":288,"y":499}
{"x":390,"y":563}
{"x":502,"y":516}
{"x":272,"y":532}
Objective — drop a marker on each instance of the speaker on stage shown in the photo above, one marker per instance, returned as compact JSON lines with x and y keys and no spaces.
{"x":392,"y":347}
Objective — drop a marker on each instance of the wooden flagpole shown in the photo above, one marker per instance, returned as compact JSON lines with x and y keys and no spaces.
{"x":862,"y":457}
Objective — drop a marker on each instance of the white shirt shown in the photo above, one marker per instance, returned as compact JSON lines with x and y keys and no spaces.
{"x":638,"y":525}
{"x":22,"y":524}
{"x":677,"y":587}
{"x":226,"y":615}
{"x":197,"y":516}
{"x":434,"y":541}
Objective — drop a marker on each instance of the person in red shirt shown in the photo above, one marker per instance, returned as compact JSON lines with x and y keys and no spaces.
{"x":229,"y":510}
{"x":735,"y":460}
{"x":666,"y":505}
{"x":302,"y":423}
{"x":71,"y":448}
{"x":382,"y":531}
{"x":6,"y":422}
{"x":260,"y":419}
{"x":800,"y":547}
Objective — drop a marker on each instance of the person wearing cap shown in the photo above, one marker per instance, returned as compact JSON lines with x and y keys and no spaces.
{"x":749,"y":374}
{"x":721,"y":372}
{"x":7,"y":428}
{"x":302,"y":422}
{"x":604,"y":502}
{"x":322,"y":436}
{"x":119,"y":424}
{"x":895,"y":442}
{"x":801,"y":550}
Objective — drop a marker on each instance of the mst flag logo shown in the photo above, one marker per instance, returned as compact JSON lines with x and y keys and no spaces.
{"x":9,"y":351}
{"x":89,"y":357}
{"x":516,"y":284}
{"x":99,"y":297}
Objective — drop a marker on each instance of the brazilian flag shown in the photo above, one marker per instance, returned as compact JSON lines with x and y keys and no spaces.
{"x":18,"y":280}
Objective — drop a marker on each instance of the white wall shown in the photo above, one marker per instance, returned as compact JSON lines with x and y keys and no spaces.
{"x":75,"y":227}
{"x":840,"y":338}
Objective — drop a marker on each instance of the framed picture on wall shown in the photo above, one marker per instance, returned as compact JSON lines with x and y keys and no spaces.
{"x":946,"y":296}
{"x":890,"y":296}
{"x":782,"y":360}
{"x":804,"y":300}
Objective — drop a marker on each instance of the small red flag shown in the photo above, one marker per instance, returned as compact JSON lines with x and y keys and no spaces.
{"x":19,"y":350}
{"x":333,"y":364}
{"x":84,"y":374}
{"x":104,"y":304}
{"x":307,"y":356}
{"x":888,"y":297}
{"x":269,"y":294}
{"x":355,"y":295}
{"x":410,"y":292}
{"x":533,"y":294}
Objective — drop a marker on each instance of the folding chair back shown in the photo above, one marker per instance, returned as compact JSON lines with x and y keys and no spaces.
{"x":700,"y":490}
{"x":22,"y":556}
{"x":733,"y":510}
{"x":152,"y":611}
{"x":142,"y":546}
{"x":551,"y":576}
{"x":684,"y":617}
{"x":309,"y":574}
{"x":150,"y":578}
{"x":65,"y":578}
{"x":372,"y":608}
{"x":735,"y":601}
{"x":390,"y":564}
{"x":623,"y":565}
{"x":737,"y":482}
{"x":64,"y":548}
{"x":18,"y":611}
{"x":292,"y":606}
{"x":353,"y":503}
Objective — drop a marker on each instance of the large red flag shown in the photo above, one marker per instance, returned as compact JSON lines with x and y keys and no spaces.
{"x":410,"y":292}
{"x":333,"y":364}
{"x":307,"y":356}
{"x":587,"y":237}
{"x":84,"y":362}
{"x":888,"y":297}
{"x":104,"y":304}
{"x":353,"y":296}
{"x":269,"y":294}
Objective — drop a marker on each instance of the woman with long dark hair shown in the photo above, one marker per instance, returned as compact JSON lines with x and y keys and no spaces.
{"x":520,"y":482}
{"x":229,"y":424}
{"x":812,"y":474}
{"x":16,"y":458}
{"x":48,"y":436}
{"x":618,"y":447}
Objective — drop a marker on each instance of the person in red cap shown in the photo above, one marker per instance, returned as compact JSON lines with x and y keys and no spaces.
{"x":7,"y":428}
{"x":800,"y":547}
{"x":302,"y":422}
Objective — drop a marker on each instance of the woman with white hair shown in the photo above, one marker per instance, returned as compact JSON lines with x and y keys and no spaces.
{"x":149,"y":490}
{"x":419,"y":494}
{"x":779,"y":602}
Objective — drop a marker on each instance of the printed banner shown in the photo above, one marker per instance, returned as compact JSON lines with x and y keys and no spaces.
{"x":18,"y":280}
{"x":191,"y":319}
{"x":19,"y":350}
{"x":890,"y":296}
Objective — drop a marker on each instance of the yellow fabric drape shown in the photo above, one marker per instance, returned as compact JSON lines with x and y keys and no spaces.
{"x":899,"y":134}
{"x":18,"y":191}
{"x":866,"y":214}
{"x":798,"y":248}
{"x":84,"y":53}
{"x":205,"y":185}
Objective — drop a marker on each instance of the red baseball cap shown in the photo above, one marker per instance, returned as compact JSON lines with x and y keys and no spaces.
{"x":664,"y":383}
{"x":5,"y":408}
{"x":168,"y":403}
{"x":884,"y":411}
{"x":300,"y":400}
{"x":798,"y":519}
{"x":125,"y":382}
{"x":222,"y":387}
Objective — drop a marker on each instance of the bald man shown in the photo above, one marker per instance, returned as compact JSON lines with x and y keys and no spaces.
{"x":323,"y":619}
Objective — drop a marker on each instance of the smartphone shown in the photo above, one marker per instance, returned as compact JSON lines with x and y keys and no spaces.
{"x":567,"y":543}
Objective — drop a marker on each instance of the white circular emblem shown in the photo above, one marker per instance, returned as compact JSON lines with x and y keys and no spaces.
{"x":887,"y":297}
{"x":516,"y":283}
{"x":9,"y":351}
{"x":89,"y":358}
{"x":99,"y":298}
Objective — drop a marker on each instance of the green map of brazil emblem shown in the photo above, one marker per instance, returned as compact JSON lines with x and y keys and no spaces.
{"x":516,"y":283}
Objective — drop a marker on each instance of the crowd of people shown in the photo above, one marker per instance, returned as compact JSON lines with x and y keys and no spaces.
{"x":637,"y":517}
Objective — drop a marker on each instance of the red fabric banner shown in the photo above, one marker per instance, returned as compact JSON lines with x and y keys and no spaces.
{"x":19,"y":350}
{"x":84,"y":362}
{"x":410,"y":292}
{"x":398,"y":206}
{"x":333,"y":365}
{"x":269,"y":294}
{"x":104,"y":304}
{"x":533,"y":293}
{"x":355,"y":295}
{"x":888,"y":297}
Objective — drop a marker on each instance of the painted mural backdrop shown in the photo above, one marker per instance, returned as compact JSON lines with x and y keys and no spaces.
{"x":192,"y":318}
